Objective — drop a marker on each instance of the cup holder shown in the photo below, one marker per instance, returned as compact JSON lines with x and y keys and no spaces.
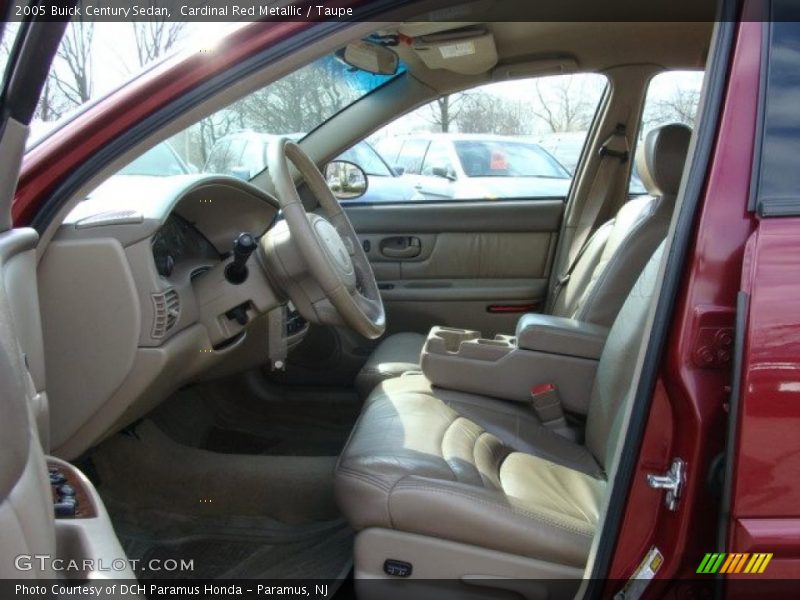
{"x":449,"y":339}
{"x":467,"y":344}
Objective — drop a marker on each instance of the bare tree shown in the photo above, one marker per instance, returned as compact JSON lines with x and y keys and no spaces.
{"x":679,"y":106}
{"x":74,"y":78}
{"x":299,"y":101}
{"x":52,"y":104}
{"x":154,"y":38}
{"x":444,"y":111}
{"x":561,"y":106}
{"x":7,"y":36}
{"x":487,"y":113}
{"x":213,"y":128}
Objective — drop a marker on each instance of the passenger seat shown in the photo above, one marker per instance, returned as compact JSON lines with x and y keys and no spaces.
{"x":481,"y":478}
{"x":607,"y":266}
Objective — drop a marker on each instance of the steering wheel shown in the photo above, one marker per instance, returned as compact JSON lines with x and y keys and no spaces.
{"x":318,"y":260}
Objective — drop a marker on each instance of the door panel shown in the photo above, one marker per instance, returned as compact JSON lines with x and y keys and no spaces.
{"x":462,"y":264}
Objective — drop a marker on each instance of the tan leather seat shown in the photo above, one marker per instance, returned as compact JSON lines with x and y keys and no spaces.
{"x":609,"y":262}
{"x":484,"y":472}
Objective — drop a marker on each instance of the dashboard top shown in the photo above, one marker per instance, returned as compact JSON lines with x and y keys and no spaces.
{"x":132,"y":208}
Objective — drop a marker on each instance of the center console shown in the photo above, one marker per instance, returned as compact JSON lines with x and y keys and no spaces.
{"x":544,"y":350}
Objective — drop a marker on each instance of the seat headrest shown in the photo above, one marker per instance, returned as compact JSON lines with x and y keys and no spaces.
{"x":660,"y":158}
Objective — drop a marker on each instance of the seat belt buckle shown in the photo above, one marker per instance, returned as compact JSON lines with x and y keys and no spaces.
{"x":621,"y":155}
{"x":547,"y":406}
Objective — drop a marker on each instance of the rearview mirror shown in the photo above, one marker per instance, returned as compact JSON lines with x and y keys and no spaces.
{"x":347,"y":180}
{"x":370,"y":57}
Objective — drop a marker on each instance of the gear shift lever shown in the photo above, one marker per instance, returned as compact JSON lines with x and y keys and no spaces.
{"x":243,"y":246}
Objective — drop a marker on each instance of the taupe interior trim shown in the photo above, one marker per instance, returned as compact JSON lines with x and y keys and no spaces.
{"x":458,"y":216}
{"x":451,"y":290}
{"x":434,"y":558}
{"x":12,"y":147}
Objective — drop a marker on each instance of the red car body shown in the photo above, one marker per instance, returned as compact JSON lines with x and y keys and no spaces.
{"x":732,"y":250}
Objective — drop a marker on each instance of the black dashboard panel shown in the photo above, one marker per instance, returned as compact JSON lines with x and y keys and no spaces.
{"x":178,"y":242}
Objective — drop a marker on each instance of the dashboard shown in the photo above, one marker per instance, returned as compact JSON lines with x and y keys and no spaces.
{"x":134,"y":296}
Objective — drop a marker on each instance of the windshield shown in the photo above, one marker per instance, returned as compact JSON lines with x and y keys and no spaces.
{"x":160,"y":161}
{"x":507,"y":159}
{"x":298,"y":102}
{"x":94,"y":58}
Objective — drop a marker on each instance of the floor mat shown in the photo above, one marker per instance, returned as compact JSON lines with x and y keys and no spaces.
{"x":233,"y":547}
{"x":245,"y":415}
{"x":280,"y":443}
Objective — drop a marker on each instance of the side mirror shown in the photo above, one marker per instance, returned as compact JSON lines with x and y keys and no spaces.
{"x":399,"y":170}
{"x":241,"y":173}
{"x":347,"y":180}
{"x":370,"y":57}
{"x":442,"y":172}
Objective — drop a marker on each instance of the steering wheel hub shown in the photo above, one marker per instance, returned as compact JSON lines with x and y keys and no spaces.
{"x":334,"y":247}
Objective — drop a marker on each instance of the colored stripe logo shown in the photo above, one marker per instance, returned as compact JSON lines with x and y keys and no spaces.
{"x":728,"y":563}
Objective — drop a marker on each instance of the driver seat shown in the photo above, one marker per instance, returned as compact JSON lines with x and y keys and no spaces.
{"x":478,"y":477}
{"x":607,"y":266}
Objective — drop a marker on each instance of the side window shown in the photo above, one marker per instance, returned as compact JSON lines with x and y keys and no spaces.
{"x":368,"y":159}
{"x":516,"y":139}
{"x":389,"y":149}
{"x":411,"y":155}
{"x":672,"y":97}
{"x":437,"y":161}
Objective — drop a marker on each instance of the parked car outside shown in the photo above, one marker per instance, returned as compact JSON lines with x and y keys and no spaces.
{"x":160,"y":161}
{"x":152,"y":170}
{"x":567,"y":146}
{"x":244,"y":154}
{"x":475,"y":166}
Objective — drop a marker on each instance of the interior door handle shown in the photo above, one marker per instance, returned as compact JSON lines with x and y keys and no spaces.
{"x":401,"y":247}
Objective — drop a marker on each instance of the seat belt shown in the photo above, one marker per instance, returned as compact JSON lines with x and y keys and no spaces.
{"x":614,"y":152}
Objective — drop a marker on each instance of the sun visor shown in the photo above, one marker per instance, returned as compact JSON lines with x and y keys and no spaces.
{"x":466,"y":51}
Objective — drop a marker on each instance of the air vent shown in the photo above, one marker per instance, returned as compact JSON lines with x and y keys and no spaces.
{"x":167,"y":309}
{"x":198,"y":272}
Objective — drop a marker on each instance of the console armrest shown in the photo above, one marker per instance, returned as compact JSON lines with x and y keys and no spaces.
{"x":558,"y":335}
{"x":460,"y":359}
